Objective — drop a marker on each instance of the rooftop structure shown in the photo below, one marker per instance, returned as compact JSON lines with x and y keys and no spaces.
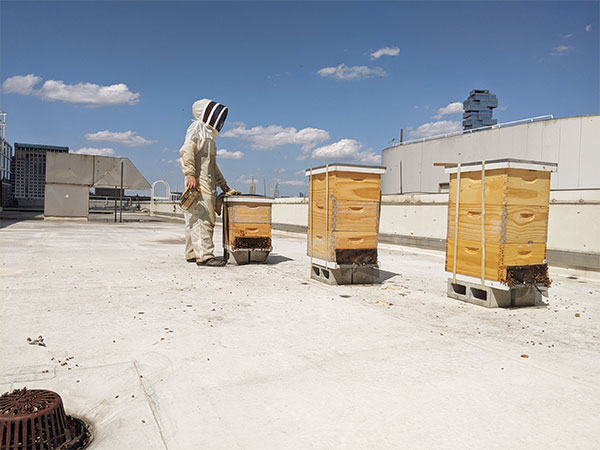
{"x":478,"y":109}
{"x":157,"y":353}
{"x":569,"y":141}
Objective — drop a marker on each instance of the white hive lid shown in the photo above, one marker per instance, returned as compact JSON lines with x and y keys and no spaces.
{"x":506,"y":163}
{"x":345,"y":168}
{"x":248,"y":199}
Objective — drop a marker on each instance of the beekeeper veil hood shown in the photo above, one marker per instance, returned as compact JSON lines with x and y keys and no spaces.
{"x":209,"y":118}
{"x":210,"y":113}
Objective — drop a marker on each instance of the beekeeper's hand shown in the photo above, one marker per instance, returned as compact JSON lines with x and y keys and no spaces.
{"x":228,"y":191}
{"x":190,"y":182}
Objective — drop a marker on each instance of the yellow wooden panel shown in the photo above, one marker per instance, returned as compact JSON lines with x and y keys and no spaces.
{"x":317,"y":187}
{"x":250,"y":230}
{"x":340,"y":240}
{"x":346,"y":216}
{"x":354,"y":240}
{"x":503,"y":224}
{"x":503,"y":186}
{"x":524,"y":254}
{"x":355,"y":216}
{"x":468,"y":261}
{"x":250,"y":213}
{"x":497,"y":257}
{"x":527,"y":187}
{"x":526,"y":224}
{"x":357,"y":186}
{"x":317,"y":241}
{"x":353,"y":186}
{"x":470,"y":187}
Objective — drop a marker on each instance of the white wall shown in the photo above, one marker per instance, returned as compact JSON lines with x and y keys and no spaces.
{"x":290,"y":211}
{"x":573,"y":142}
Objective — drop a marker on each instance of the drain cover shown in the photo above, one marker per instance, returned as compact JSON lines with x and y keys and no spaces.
{"x":35,"y":419}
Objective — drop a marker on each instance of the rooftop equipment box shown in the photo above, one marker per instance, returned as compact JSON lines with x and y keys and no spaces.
{"x":247,"y":228}
{"x":502,"y":222}
{"x":344,"y":203}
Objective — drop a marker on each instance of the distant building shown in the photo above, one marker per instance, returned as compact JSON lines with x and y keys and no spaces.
{"x":30,"y":172}
{"x":478,"y":109}
{"x":5,"y":165}
{"x":572,"y":142}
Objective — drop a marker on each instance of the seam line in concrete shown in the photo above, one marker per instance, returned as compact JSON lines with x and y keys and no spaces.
{"x":151,"y":404}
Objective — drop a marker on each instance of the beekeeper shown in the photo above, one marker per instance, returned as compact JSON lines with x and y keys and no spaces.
{"x":199,"y":164}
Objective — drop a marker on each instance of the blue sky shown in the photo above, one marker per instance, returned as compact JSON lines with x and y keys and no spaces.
{"x":306,"y":83}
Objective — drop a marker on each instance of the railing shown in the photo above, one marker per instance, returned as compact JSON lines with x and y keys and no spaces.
{"x":489,"y":127}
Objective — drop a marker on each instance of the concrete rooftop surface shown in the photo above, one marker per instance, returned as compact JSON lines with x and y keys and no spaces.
{"x":157,"y":353}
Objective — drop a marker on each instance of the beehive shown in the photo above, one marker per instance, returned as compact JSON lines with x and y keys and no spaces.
{"x":247,"y":223}
{"x":344,"y":203}
{"x":511,"y":228}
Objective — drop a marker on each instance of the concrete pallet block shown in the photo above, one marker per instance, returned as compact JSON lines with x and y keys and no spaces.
{"x":491,"y":297}
{"x":241,"y":257}
{"x":345,"y":274}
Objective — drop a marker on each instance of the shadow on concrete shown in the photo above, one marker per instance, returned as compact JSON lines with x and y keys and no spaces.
{"x":277,"y":259}
{"x":8,"y":218}
{"x":383,"y":275}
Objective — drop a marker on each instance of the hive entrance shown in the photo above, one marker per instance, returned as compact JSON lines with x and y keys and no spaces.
{"x":251,"y":242}
{"x":533,"y":274}
{"x":36,"y":419}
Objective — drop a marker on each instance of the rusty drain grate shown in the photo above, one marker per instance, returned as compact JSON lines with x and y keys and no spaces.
{"x":35,"y":419}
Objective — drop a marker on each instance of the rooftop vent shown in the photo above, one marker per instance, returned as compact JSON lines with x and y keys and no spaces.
{"x":478,"y":109}
{"x":35,"y":419}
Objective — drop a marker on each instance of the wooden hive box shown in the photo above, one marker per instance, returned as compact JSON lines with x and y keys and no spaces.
{"x":247,"y":223}
{"x":512,"y":226}
{"x":344,"y":203}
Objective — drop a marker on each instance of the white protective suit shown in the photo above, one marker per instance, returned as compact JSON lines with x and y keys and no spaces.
{"x":199,"y":159}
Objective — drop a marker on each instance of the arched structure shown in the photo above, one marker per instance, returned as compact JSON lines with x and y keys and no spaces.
{"x":153,"y":198}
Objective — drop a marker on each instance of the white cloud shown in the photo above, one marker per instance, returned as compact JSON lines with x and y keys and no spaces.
{"x":88,"y":93}
{"x":300,"y":172}
{"x":282,"y":170}
{"x":567,"y":35}
{"x":343,"y":72}
{"x":452,"y":108}
{"x":21,"y":84}
{"x":96,"y":151}
{"x":561,"y":50}
{"x":273,"y":136}
{"x":226,"y":154}
{"x":588,"y":28}
{"x":385,"y":51}
{"x":435,"y":128}
{"x":128,"y":138}
{"x":176,"y":161}
{"x":244,"y":179}
{"x":369,"y":158}
{"x":346,"y":149}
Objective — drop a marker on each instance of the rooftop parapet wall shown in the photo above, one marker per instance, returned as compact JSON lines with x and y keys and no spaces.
{"x":420,"y":220}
